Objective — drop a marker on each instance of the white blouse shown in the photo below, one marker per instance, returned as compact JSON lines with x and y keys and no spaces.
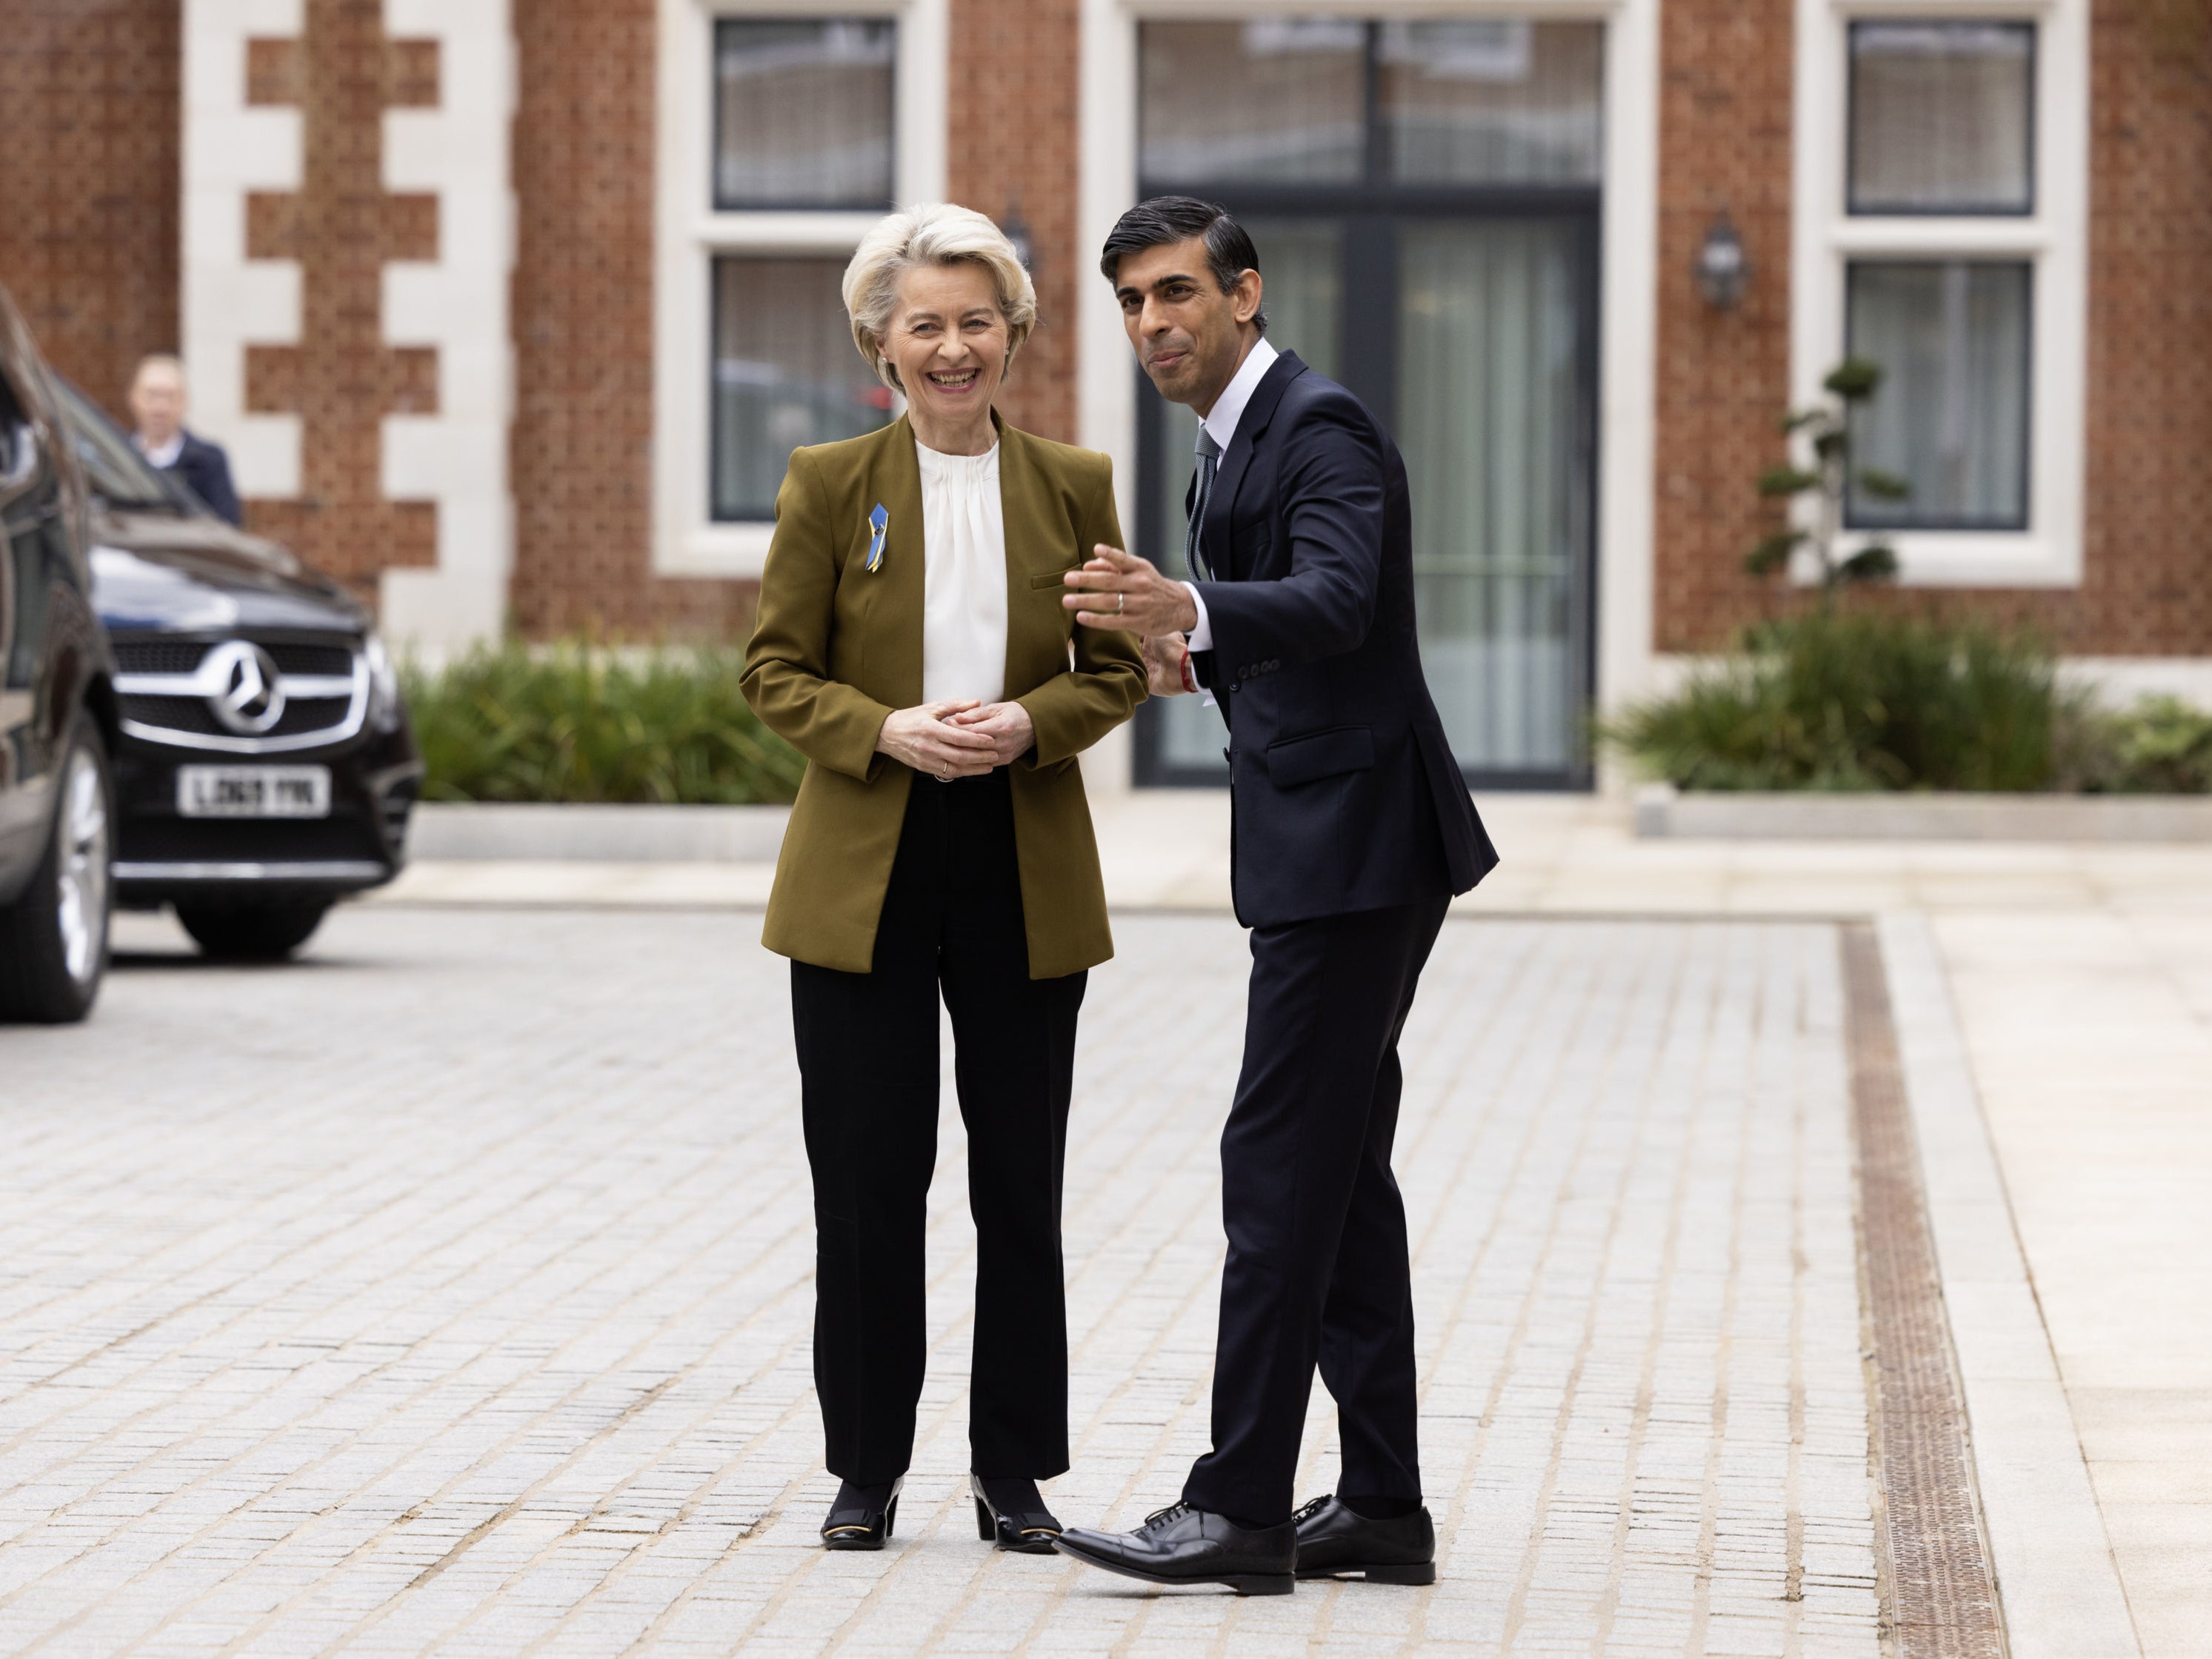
{"x":964,"y":585}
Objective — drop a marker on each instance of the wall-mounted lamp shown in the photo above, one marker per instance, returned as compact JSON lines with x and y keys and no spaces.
{"x":1722,"y":268}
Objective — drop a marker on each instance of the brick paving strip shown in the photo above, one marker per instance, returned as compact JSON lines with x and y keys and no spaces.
{"x":449,"y":1292}
{"x":1942,"y":1601}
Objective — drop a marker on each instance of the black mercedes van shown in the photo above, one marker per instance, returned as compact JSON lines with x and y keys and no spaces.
{"x":264,"y":765}
{"x":58,"y":721}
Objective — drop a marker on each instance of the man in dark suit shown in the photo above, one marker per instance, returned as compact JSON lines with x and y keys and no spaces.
{"x":1351,"y":831}
{"x":157,"y":412}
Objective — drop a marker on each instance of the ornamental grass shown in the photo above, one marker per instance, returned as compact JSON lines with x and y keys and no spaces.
{"x":1838,"y":699}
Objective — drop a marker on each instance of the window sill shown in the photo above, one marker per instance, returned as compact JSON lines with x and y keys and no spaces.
{"x":778,"y":231}
{"x":1981,"y":558}
{"x":1937,"y":237}
{"x":723,"y":550}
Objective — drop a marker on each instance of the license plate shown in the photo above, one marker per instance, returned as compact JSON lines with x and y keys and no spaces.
{"x":253,"y":792}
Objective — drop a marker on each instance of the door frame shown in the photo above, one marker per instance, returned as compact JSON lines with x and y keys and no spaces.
{"x":1369,"y":350}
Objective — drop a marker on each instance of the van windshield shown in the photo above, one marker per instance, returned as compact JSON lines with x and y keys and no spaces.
{"x":119,"y":474}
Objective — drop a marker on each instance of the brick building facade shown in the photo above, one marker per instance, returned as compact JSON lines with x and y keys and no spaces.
{"x":466,"y":286}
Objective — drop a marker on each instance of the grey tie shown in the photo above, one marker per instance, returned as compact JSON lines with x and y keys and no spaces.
{"x":1209,"y":456}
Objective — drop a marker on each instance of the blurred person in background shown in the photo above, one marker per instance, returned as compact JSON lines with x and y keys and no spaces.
{"x":157,"y":416}
{"x":910,"y":643}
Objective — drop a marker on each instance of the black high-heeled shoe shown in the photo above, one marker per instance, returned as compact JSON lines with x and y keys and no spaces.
{"x":1017,"y":1520}
{"x":862,"y":1518}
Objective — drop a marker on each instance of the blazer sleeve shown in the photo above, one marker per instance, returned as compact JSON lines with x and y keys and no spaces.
{"x":787,"y":670}
{"x":211,"y":479}
{"x":1331,"y":471}
{"x":1106,"y":682}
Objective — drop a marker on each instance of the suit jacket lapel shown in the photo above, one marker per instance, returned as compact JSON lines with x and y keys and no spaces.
{"x":1230,"y":477}
{"x":1037,"y":546}
{"x":895,"y":588}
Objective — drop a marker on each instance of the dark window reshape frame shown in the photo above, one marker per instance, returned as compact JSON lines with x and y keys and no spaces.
{"x":1856,"y":208}
{"x":2021,"y":519}
{"x":716,"y":261}
{"x":718,"y":202}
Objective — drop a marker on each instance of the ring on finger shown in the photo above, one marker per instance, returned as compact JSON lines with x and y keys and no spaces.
{"x":1120,"y":603}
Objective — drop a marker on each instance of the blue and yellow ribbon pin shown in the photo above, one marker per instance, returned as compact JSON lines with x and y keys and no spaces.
{"x":878,"y":521}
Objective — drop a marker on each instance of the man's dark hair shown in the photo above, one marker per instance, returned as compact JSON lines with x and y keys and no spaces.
{"x":1166,"y":219}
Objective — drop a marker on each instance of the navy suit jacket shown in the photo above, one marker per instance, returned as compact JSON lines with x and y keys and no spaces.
{"x":1345,"y":792}
{"x":206,"y":469}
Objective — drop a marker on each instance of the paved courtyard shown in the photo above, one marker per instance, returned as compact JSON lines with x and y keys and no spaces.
{"x":448,"y":1293}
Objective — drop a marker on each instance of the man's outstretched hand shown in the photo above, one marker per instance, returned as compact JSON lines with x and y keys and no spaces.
{"x":1121,"y":591}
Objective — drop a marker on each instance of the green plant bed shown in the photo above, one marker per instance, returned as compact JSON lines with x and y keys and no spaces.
{"x":575,"y":723}
{"x":2161,"y":747}
{"x":1839,"y":700}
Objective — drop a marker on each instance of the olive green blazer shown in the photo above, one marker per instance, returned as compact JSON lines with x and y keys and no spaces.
{"x":837,"y":646}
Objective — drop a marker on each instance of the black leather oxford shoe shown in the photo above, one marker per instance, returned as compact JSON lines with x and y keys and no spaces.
{"x":1334,"y":1541}
{"x":1011,"y":1514}
{"x":1180,"y":1545}
{"x":862,"y":1518}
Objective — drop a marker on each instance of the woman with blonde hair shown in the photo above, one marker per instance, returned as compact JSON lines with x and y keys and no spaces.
{"x":912,"y":645}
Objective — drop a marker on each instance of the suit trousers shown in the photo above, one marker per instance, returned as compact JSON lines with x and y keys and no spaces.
{"x":952,"y":924}
{"x":1317,"y":1271}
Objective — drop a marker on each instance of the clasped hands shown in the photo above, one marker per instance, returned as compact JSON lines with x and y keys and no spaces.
{"x":965,"y":739}
{"x":1120,"y":591}
{"x":958,"y":738}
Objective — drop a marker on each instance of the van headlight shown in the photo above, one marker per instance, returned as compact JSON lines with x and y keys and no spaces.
{"x":383,"y":687}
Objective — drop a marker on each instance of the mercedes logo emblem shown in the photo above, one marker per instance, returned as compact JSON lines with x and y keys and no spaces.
{"x":252,"y":699}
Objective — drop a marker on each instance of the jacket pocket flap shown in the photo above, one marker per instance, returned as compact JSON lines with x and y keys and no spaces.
{"x":1320,"y":755}
{"x":1052,"y":578}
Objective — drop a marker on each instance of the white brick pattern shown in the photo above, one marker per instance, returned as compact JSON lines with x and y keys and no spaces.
{"x":458,"y":456}
{"x":229,"y":302}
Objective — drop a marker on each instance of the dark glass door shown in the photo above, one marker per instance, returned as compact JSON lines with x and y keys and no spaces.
{"x":1425,"y":202}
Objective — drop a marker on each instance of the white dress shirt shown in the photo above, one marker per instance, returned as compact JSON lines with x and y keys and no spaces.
{"x":963,"y":581}
{"x":1221,"y":424}
{"x":161,"y":455}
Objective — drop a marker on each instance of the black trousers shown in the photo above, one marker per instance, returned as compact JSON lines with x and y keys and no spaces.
{"x":868,"y":1069}
{"x":1318,"y":1272}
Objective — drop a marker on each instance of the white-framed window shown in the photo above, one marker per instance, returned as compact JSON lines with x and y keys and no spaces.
{"x":1941,"y":214}
{"x":787,"y":127}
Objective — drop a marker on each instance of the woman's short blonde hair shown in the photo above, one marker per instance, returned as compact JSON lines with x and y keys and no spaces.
{"x":939,"y":233}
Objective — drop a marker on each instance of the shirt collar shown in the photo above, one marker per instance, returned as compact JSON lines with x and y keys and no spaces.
{"x":164,"y":455}
{"x":1229,"y":408}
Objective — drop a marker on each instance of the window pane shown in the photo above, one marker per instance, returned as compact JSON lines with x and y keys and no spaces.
{"x":786,"y":374}
{"x":803,"y":113}
{"x":1272,"y":100}
{"x":1493,"y":102}
{"x":1940,"y":118}
{"x":1301,"y":287}
{"x":1951,"y":414}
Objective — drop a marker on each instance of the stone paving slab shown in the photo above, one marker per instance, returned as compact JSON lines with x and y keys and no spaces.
{"x":448,"y":1293}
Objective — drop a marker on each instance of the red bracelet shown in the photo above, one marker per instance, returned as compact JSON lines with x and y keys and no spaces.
{"x":1189,"y":679}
